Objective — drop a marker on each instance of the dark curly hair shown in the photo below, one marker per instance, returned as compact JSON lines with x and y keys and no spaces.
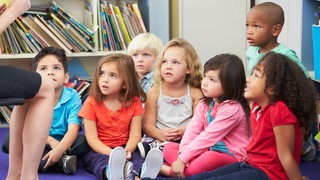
{"x":289,"y":84}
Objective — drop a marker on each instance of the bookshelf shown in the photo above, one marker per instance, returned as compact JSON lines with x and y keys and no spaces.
{"x":75,"y":8}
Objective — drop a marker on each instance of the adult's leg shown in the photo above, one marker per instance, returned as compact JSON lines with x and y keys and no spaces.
{"x":29,"y":123}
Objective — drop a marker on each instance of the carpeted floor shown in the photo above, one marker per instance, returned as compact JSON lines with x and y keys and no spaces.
{"x":310,"y":169}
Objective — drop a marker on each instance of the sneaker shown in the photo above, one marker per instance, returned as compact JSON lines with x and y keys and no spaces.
{"x":308,"y":149}
{"x":117,"y":161}
{"x":144,"y":147}
{"x":128,"y":171}
{"x":151,"y":166}
{"x":69,"y":164}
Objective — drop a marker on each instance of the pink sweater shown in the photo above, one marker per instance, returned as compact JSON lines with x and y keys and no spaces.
{"x":228,"y":126}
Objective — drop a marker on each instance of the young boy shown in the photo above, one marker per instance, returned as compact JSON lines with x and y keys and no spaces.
{"x":64,"y":144}
{"x":264,"y":24}
{"x":144,"y":50}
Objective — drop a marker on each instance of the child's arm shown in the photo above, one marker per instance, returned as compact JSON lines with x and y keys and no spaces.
{"x":135,"y":134}
{"x":92,"y":138}
{"x":196,"y":95}
{"x":150,"y":116}
{"x":284,"y":135}
{"x":59,"y":149}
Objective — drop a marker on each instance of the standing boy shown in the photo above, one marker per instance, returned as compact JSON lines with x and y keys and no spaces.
{"x":64,"y":143}
{"x":144,"y":50}
{"x":264,"y":24}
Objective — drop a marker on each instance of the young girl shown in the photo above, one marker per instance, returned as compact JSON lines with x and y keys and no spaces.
{"x":284,"y":102}
{"x":172,"y":98}
{"x":113,"y":114}
{"x":219,"y":130}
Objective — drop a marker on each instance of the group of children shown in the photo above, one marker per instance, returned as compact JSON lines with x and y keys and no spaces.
{"x":154,"y":111}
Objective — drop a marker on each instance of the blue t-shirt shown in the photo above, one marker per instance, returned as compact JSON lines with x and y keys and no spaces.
{"x":65,"y":113}
{"x":253,"y":57}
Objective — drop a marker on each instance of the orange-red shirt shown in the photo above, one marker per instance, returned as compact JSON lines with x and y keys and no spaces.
{"x":112,"y":127}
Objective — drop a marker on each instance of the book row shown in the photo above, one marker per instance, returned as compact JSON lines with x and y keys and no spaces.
{"x":110,"y":27}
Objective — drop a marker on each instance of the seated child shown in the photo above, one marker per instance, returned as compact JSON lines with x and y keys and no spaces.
{"x":218,"y":132}
{"x":64,"y":143}
{"x":144,"y":50}
{"x":174,"y":95}
{"x":113,"y":118}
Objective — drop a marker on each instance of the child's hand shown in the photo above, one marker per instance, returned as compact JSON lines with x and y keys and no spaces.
{"x":52,"y":157}
{"x":128,"y":154}
{"x":178,"y":168}
{"x":168,"y":134}
{"x":175,"y":134}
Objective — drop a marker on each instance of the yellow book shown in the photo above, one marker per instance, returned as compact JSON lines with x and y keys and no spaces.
{"x":7,"y":2}
{"x":122,"y":24}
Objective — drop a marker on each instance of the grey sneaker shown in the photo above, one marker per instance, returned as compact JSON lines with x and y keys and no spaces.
{"x":151,"y":166}
{"x":128,"y":171}
{"x":308,"y":150}
{"x":117,"y":161}
{"x":69,"y":164}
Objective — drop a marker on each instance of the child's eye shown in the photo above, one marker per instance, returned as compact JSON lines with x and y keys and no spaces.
{"x":257,"y":26}
{"x":176,"y":62}
{"x":113,"y":76}
{"x":57,"y":68}
{"x":164,"y":61}
{"x":134,"y":54}
{"x":43,"y":69}
{"x":146,"y":54}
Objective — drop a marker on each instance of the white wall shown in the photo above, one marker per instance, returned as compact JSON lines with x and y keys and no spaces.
{"x":214,"y":26}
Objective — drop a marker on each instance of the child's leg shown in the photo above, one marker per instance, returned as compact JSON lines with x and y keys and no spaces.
{"x":29,"y":128}
{"x":209,"y":161}
{"x":80,"y":147}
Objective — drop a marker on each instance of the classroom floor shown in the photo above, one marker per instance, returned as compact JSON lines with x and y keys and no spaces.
{"x":310,"y":169}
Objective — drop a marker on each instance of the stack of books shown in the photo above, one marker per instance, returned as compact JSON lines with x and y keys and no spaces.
{"x":115,"y":26}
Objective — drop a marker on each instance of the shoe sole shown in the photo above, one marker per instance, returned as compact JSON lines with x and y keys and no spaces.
{"x":153,"y":163}
{"x":141,"y":150}
{"x":117,"y":161}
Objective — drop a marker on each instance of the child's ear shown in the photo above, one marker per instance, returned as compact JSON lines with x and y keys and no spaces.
{"x":66,"y":77}
{"x":276,"y":30}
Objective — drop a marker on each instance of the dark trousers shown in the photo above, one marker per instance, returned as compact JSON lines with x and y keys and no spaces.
{"x":96,"y":163}
{"x":79,"y":148}
{"x":236,"y":171}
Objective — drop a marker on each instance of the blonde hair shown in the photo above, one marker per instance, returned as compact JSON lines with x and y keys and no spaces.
{"x":125,"y":67}
{"x":192,"y":60}
{"x":145,"y":41}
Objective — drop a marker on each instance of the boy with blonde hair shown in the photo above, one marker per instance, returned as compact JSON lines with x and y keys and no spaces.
{"x":264,"y":24}
{"x":144,"y":50}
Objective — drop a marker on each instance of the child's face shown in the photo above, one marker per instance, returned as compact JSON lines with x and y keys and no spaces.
{"x":259,"y":29}
{"x":143,"y":61}
{"x":255,"y":86}
{"x":211,"y":85}
{"x":174,"y":67}
{"x":110,"y":80}
{"x":50,"y":66}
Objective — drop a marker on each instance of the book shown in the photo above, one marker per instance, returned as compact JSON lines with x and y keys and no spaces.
{"x":36,"y":29}
{"x":7,"y":2}
{"x":117,"y":27}
{"x":137,"y":12}
{"x":91,"y":17}
{"x":45,"y":28}
{"x":122,"y":25}
{"x":6,"y":113}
